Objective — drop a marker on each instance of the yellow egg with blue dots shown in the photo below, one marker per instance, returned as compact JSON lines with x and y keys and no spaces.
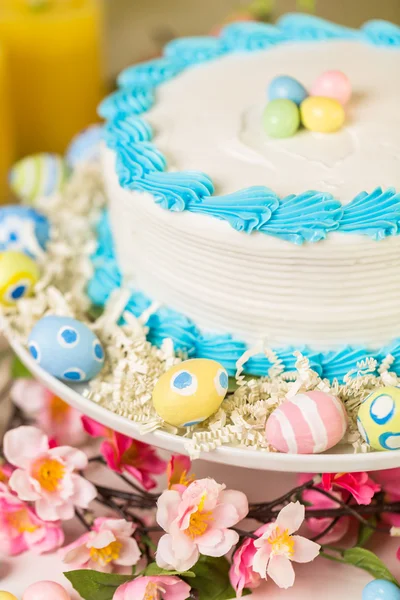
{"x":18,"y":275}
{"x":190,"y":392}
{"x":379,"y":419}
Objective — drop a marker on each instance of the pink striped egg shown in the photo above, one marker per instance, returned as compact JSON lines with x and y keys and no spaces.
{"x":308,"y":423}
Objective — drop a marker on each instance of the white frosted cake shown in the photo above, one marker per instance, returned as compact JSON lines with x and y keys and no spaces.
{"x":246,"y":241}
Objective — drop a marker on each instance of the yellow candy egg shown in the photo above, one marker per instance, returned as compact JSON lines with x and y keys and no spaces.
{"x":190,"y":392}
{"x":324,"y":115}
{"x":379,"y":419}
{"x":7,"y":596}
{"x":18,"y":275}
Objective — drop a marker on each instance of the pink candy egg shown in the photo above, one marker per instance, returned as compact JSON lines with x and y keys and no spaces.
{"x":308,"y":423}
{"x":333,"y":84}
{"x":45,"y":590}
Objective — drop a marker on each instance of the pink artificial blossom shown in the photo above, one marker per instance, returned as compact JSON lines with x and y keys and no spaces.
{"x":359,"y":485}
{"x":178,"y":476}
{"x":5,"y":472}
{"x":389,"y":480}
{"x":123,"y":454}
{"x":21,"y":529}
{"x":277,"y":547}
{"x":53,"y":416}
{"x":241,"y":573}
{"x":318,"y":525}
{"x":162,"y":587}
{"x":109,"y":547}
{"x":47,"y":476}
{"x":198,"y":521}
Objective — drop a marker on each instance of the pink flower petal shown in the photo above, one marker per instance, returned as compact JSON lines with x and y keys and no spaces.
{"x":229,"y":539}
{"x":291,"y":517}
{"x":133,"y":589}
{"x":29,"y":395}
{"x":304,"y":550}
{"x":167,"y":508}
{"x":280,"y":569}
{"x":83,"y":492}
{"x":94,"y":429}
{"x":23,"y":445}
{"x":261,"y":558}
{"x":119,"y":527}
{"x":74,"y":459}
{"x":236,"y":499}
{"x":129,"y":554}
{"x":101,"y":539}
{"x":49,"y":512}
{"x":166,"y":559}
{"x":182,"y":544}
{"x":111,"y":456}
{"x":77,"y":557}
{"x":23,"y":486}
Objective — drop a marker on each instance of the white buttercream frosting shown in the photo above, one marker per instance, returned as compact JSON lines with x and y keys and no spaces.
{"x":343,"y":290}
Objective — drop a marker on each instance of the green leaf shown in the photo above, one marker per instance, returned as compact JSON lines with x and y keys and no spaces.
{"x":365,"y":532}
{"x":92,"y":585}
{"x":367,"y":560}
{"x":19,"y":370}
{"x":153,"y":569}
{"x":212,"y":579}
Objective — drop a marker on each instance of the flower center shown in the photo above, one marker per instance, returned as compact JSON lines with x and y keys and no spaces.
{"x":153,"y":591}
{"x":49,"y":472}
{"x":3,"y":476}
{"x":105,"y":555}
{"x":130,"y":455}
{"x":199,"y":520}
{"x":58,"y":409}
{"x":282,"y":543}
{"x":20,"y":521}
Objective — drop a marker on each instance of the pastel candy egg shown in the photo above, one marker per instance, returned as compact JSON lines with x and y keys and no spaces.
{"x":37,"y":176}
{"x":287,"y":87}
{"x":190,"y":392}
{"x":333,"y":84}
{"x":308,"y":423}
{"x":379,"y":419}
{"x":7,"y":596}
{"x":323,"y":115}
{"x":380,"y":589}
{"x":85,"y":147}
{"x":281,"y":118}
{"x":24,"y":229}
{"x":66,"y":348}
{"x":45,"y":590}
{"x":18,"y":275}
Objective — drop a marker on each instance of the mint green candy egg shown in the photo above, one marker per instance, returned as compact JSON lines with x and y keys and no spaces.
{"x":281,"y":118}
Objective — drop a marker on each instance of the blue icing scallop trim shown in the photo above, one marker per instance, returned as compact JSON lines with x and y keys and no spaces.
{"x":167,"y":323}
{"x":382,"y":33}
{"x":306,"y":217}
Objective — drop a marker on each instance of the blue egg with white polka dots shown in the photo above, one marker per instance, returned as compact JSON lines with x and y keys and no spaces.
{"x":66,"y":348}
{"x":380,"y":589}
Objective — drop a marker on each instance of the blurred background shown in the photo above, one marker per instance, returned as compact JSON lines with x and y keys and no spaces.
{"x":58,"y":58}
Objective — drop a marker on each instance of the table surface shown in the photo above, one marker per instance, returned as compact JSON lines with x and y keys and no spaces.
{"x":327,"y":581}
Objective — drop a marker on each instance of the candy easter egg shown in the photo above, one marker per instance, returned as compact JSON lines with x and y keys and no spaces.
{"x":37,"y":176}
{"x":281,"y":118}
{"x":190,"y":392}
{"x":18,"y":275}
{"x":85,"y":147}
{"x":23,"y":229}
{"x":323,"y":115}
{"x":45,"y":590}
{"x":66,"y":348}
{"x":333,"y":84}
{"x":379,"y":419}
{"x":308,"y":423}
{"x":7,"y":596}
{"x":287,"y":87}
{"x":381,"y":589}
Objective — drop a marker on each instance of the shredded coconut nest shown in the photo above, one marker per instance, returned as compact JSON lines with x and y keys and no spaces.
{"x":133,"y":365}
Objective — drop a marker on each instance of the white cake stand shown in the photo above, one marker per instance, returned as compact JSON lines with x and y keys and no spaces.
{"x":340,"y":459}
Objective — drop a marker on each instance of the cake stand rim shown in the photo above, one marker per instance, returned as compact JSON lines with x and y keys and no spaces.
{"x":239,"y":457}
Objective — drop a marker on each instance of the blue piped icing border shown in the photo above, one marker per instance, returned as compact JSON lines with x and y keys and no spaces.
{"x":307,"y":217}
{"x":187,"y":338}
